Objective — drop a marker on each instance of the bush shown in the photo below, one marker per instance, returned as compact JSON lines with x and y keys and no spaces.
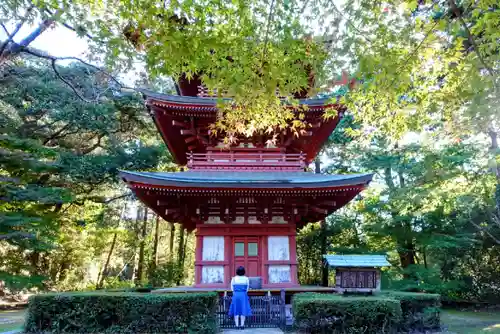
{"x":104,"y":312}
{"x":326,"y":313}
{"x":420,"y":310}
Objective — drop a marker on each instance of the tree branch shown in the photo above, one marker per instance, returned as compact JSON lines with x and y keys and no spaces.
{"x":67,"y":82}
{"x":16,"y":48}
{"x":5,"y":29}
{"x":75,"y":30}
{"x":10,"y":36}
{"x":41,"y":54}
{"x":349,"y":22}
{"x":69,"y":26}
{"x":471,"y":39}
{"x":413,"y":52}
{"x":485,"y":230}
{"x":13,"y":235}
{"x":93,"y":147}
{"x":54,"y":60}
{"x":107,"y":200}
{"x":269,"y":22}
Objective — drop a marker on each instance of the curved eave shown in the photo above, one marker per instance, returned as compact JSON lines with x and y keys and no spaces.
{"x":242,"y":180}
{"x":209,"y":104}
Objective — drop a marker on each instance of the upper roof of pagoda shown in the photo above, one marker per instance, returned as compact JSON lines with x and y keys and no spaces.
{"x":184,"y":121}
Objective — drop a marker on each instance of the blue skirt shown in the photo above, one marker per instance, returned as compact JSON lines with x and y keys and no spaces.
{"x":240,"y":304}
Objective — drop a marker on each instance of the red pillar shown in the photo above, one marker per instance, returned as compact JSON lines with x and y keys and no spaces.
{"x":198,"y":258}
{"x":293,"y":260}
{"x":228,"y":260}
{"x":263,"y":260}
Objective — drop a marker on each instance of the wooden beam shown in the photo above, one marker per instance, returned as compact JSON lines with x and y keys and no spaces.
{"x":318,"y":209}
{"x":316,"y":125}
{"x":289,"y":141}
{"x":185,"y":132}
{"x":190,"y":139}
{"x":180,"y":124}
{"x":171,"y":211}
{"x":203,"y":139}
{"x":328,"y":203}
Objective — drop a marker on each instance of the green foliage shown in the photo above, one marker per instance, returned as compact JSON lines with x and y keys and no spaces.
{"x":425,"y":208}
{"x":420,"y":311}
{"x":326,"y":313}
{"x":59,"y":161}
{"x":167,"y":274}
{"x":122,"y":313}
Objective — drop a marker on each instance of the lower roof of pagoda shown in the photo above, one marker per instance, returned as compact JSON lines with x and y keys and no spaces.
{"x":192,"y":198}
{"x":184,"y":121}
{"x":212,"y":180}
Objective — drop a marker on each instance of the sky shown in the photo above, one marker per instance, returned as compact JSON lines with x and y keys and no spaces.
{"x":61,"y":42}
{"x":58,"y":41}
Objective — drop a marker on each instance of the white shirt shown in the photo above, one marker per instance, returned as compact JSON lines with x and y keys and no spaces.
{"x":239,"y":280}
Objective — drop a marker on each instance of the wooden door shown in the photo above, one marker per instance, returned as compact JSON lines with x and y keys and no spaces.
{"x":247,"y":254}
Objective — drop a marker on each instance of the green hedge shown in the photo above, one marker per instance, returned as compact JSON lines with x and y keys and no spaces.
{"x":420,"y":310}
{"x":327,"y":313}
{"x":100,"y":312}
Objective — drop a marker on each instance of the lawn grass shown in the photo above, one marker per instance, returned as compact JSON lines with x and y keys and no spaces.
{"x":471,"y":322}
{"x":10,"y":327}
{"x":11,"y":320}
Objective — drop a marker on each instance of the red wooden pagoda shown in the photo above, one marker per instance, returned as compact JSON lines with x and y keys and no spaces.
{"x":245,"y":202}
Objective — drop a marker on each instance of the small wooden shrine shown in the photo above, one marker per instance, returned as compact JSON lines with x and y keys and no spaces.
{"x":357,"y":273}
{"x":247,"y":201}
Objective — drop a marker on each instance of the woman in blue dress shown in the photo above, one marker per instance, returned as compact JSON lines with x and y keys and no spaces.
{"x":240,"y":304}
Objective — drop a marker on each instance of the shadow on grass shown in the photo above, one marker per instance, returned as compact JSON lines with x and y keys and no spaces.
{"x":471,"y":322}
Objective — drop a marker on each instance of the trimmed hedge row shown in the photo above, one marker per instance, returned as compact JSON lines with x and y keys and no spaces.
{"x":327,"y":313}
{"x":98,"y":312}
{"x":386,"y":312}
{"x":420,"y":310}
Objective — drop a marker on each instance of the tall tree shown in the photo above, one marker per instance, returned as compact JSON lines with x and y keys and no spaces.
{"x":154,"y":254}
{"x":59,"y":154}
{"x":139,"y":277}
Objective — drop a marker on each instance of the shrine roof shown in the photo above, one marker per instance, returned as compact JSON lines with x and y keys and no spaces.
{"x":212,"y":101}
{"x":357,"y":260}
{"x":230,"y":179}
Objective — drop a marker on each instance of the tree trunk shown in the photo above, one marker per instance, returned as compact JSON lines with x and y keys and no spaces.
{"x":171,"y":242}
{"x":65,"y":265}
{"x":63,"y":271}
{"x":104,"y":273}
{"x":406,"y":254}
{"x":317,"y":166}
{"x":424,"y":257}
{"x":324,"y":251}
{"x":180,"y":254}
{"x":140,"y":265}
{"x":154,"y":255}
{"x":34,"y":262}
{"x":186,"y":239}
{"x":496,"y":167}
{"x":130,"y":266}
{"x":324,"y":237}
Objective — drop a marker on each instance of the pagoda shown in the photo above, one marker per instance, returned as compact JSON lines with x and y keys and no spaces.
{"x":247,"y":201}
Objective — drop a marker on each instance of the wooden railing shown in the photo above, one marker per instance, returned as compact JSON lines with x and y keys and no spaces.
{"x":246,"y":161}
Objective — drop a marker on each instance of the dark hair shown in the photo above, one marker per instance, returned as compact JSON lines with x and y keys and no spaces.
{"x":240,"y":271}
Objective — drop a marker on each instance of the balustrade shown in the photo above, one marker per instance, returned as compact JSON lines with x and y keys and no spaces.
{"x":247,"y":160}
